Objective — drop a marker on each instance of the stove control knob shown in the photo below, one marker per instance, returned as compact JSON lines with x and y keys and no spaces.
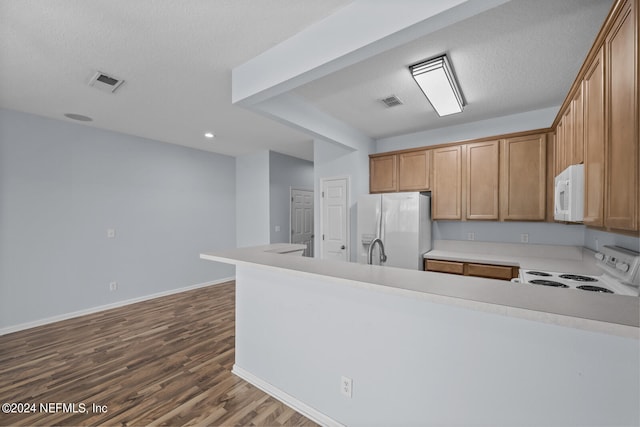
{"x":599,"y":256}
{"x":622,"y":266}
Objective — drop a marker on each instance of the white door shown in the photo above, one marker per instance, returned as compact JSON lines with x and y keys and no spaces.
{"x":302,"y":219}
{"x":335,"y":219}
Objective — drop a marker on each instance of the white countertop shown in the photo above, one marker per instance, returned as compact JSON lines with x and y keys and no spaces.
{"x":614,"y":314}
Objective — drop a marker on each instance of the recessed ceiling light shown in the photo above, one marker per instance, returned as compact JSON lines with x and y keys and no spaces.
{"x":79,"y":117}
{"x":209,"y":135}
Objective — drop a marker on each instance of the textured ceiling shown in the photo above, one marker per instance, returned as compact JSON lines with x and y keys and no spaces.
{"x":177,"y":57}
{"x":521,"y":56}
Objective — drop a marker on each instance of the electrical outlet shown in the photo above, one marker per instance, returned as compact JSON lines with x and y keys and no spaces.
{"x":471,"y":236}
{"x":113,"y":286}
{"x":277,"y":228}
{"x":111,"y":233}
{"x":346,"y":386}
{"x":524,"y":238}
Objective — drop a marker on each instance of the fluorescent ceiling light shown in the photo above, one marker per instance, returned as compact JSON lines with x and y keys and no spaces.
{"x":435,"y":78}
{"x":209,"y":135}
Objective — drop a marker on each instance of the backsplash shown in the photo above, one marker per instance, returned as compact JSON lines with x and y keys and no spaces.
{"x":540,"y":233}
{"x":595,"y":239}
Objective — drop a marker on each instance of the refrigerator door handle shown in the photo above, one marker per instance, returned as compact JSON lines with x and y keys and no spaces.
{"x":379,"y":221}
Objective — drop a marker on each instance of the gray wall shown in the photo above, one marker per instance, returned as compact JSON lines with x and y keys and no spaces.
{"x":252,"y":199}
{"x":509,"y":232}
{"x":285,"y":172}
{"x":530,"y":120}
{"x":62,"y":185}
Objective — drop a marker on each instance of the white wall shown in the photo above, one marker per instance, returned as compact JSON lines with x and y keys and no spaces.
{"x":285,"y":172}
{"x":530,"y":120}
{"x":418,"y":363}
{"x":332,"y":160}
{"x":252,"y":199}
{"x":62,"y":185}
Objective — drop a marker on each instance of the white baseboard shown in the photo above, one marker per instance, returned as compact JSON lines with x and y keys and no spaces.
{"x":287,"y":399}
{"x":45,"y":321}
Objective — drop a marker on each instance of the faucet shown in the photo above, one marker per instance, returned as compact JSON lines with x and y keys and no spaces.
{"x":383,"y":257}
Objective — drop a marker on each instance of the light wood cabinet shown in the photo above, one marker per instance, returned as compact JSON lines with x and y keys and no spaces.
{"x":577,"y":111}
{"x":482,"y":173}
{"x":447,"y":183}
{"x":451,"y":267}
{"x":491,"y":271}
{"x":414,"y":171}
{"x":559,"y":147}
{"x":567,"y":139}
{"x":621,"y":194}
{"x":594,"y":141}
{"x":383,"y":174}
{"x":523,"y":178}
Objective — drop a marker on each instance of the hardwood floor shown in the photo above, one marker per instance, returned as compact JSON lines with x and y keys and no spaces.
{"x":165,"y":361}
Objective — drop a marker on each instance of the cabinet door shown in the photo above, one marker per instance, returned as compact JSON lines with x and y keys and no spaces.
{"x":593,"y":93}
{"x":523,"y":173}
{"x":447,"y":180}
{"x":415,"y":170}
{"x":559,"y":147}
{"x":383,"y":173}
{"x":451,"y":267}
{"x":482,"y":180}
{"x":567,"y":140}
{"x":577,"y":149}
{"x":620,"y":107}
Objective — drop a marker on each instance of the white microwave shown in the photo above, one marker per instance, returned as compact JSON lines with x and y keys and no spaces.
{"x":569,"y":195}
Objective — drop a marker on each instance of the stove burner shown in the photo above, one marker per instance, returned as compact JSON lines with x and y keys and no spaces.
{"x":548,"y":283}
{"x":578,"y":278}
{"x":592,"y":288}
{"x":538,"y":273}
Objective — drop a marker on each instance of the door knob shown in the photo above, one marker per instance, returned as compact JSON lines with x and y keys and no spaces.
{"x":343,"y":247}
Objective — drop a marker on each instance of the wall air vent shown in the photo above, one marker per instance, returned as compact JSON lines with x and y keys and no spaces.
{"x":105,"y":82}
{"x":391,"y":101}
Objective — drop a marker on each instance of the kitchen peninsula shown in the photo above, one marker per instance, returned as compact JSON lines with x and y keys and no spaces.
{"x":449,"y":349}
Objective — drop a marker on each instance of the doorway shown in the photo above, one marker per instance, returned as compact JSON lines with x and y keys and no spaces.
{"x":301,"y":219}
{"x":334,"y":211}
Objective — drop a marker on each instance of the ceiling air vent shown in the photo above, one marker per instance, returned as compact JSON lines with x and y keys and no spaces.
{"x":105,"y":82}
{"x":391,"y":101}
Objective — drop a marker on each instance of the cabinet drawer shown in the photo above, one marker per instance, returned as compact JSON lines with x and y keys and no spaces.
{"x":491,"y":271}
{"x":445,"y":266}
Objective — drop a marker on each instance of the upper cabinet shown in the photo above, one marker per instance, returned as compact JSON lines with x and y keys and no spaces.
{"x":598,"y":124}
{"x":383,"y":173}
{"x":594,"y":134}
{"x":577,"y":111}
{"x":415,"y":170}
{"x":482,"y":173}
{"x":405,"y":171}
{"x":523,"y":178}
{"x":621,"y":121}
{"x":447,"y":183}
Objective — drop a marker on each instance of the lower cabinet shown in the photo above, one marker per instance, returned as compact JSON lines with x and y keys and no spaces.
{"x":491,"y":271}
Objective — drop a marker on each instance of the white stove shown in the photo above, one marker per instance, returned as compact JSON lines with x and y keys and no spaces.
{"x":620,"y":274}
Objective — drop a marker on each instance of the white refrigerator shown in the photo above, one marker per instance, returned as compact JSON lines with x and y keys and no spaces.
{"x":402,"y":221}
